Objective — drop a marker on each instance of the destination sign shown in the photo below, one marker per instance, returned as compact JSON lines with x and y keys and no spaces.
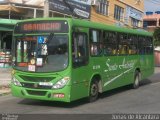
{"x":41,"y":27}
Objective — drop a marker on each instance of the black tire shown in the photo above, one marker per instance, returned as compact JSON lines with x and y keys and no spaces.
{"x":136,"y":80}
{"x":94,"y":91}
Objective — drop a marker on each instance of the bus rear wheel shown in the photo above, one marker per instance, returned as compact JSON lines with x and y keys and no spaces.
{"x":94,"y":91}
{"x":136,"y":80}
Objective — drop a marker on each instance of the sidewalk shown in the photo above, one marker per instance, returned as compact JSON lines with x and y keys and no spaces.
{"x":5,"y":79}
{"x":157,"y":70}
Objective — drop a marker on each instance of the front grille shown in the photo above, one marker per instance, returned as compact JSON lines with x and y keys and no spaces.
{"x":36,"y":79}
{"x":35,"y":86}
{"x":39,"y":93}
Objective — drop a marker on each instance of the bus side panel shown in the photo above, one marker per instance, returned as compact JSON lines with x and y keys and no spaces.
{"x":83,"y":76}
{"x":123,"y":73}
{"x":101,"y":69}
{"x":79,"y":90}
{"x":80,"y":82}
{"x":147,"y":63}
{"x":129,"y":77}
{"x":107,"y":69}
{"x":112,"y":73}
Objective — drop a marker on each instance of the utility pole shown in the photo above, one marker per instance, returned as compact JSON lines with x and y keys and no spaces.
{"x":35,"y":13}
{"x":46,"y":8}
{"x":10,"y":11}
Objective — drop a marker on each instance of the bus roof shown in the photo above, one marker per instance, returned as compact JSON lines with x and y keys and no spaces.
{"x":94,"y":25}
{"x":8,"y":21}
{"x":111,"y":27}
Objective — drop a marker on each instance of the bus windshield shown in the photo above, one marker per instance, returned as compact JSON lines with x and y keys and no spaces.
{"x":41,"y":53}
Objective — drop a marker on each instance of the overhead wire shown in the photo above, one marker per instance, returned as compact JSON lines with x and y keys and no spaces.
{"x":154,"y":2}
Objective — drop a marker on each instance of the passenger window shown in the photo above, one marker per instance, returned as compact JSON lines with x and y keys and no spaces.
{"x":132,"y":41}
{"x":110,"y":43}
{"x":148,"y":45}
{"x":141,"y":45}
{"x":96,"y":47}
{"x":123,"y":46}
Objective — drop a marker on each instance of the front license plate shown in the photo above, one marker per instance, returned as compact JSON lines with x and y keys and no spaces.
{"x":46,"y":84}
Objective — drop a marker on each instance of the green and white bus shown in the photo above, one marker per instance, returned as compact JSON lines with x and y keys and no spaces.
{"x":65,"y":59}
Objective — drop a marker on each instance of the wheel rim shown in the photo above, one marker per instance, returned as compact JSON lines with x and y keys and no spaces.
{"x":94,"y":90}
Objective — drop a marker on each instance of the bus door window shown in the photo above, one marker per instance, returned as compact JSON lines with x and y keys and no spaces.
{"x":81,"y":46}
{"x":79,"y":49}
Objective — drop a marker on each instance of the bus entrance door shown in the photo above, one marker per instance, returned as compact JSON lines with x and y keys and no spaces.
{"x":80,"y":66}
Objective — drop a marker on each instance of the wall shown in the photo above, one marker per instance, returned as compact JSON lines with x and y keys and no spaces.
{"x":157,"y":58}
{"x":154,"y":18}
{"x":137,"y":6}
{"x":109,"y":19}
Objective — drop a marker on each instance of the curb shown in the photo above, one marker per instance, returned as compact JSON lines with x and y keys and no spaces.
{"x":5,"y":90}
{"x":6,"y":93}
{"x":5,"y":86}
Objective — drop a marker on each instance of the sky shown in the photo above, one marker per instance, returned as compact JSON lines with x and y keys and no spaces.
{"x":152,"y":5}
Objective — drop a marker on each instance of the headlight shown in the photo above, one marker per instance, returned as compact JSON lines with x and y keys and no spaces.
{"x":16,"y":82}
{"x":61,"y":83}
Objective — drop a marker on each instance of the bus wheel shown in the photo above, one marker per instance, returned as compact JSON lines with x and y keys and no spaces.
{"x":94,"y":90}
{"x":136,"y":80}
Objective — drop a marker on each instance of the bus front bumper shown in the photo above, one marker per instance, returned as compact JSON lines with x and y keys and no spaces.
{"x":42,"y":94}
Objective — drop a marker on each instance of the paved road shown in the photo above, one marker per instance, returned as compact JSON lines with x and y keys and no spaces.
{"x":146,"y":99}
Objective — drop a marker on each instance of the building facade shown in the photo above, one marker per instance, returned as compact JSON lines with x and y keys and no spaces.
{"x":127,"y":13}
{"x":151,"y":21}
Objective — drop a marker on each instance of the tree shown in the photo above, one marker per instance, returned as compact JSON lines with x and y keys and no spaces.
{"x":156,"y":36}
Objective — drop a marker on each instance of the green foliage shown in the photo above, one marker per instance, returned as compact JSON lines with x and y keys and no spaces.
{"x":156,"y":36}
